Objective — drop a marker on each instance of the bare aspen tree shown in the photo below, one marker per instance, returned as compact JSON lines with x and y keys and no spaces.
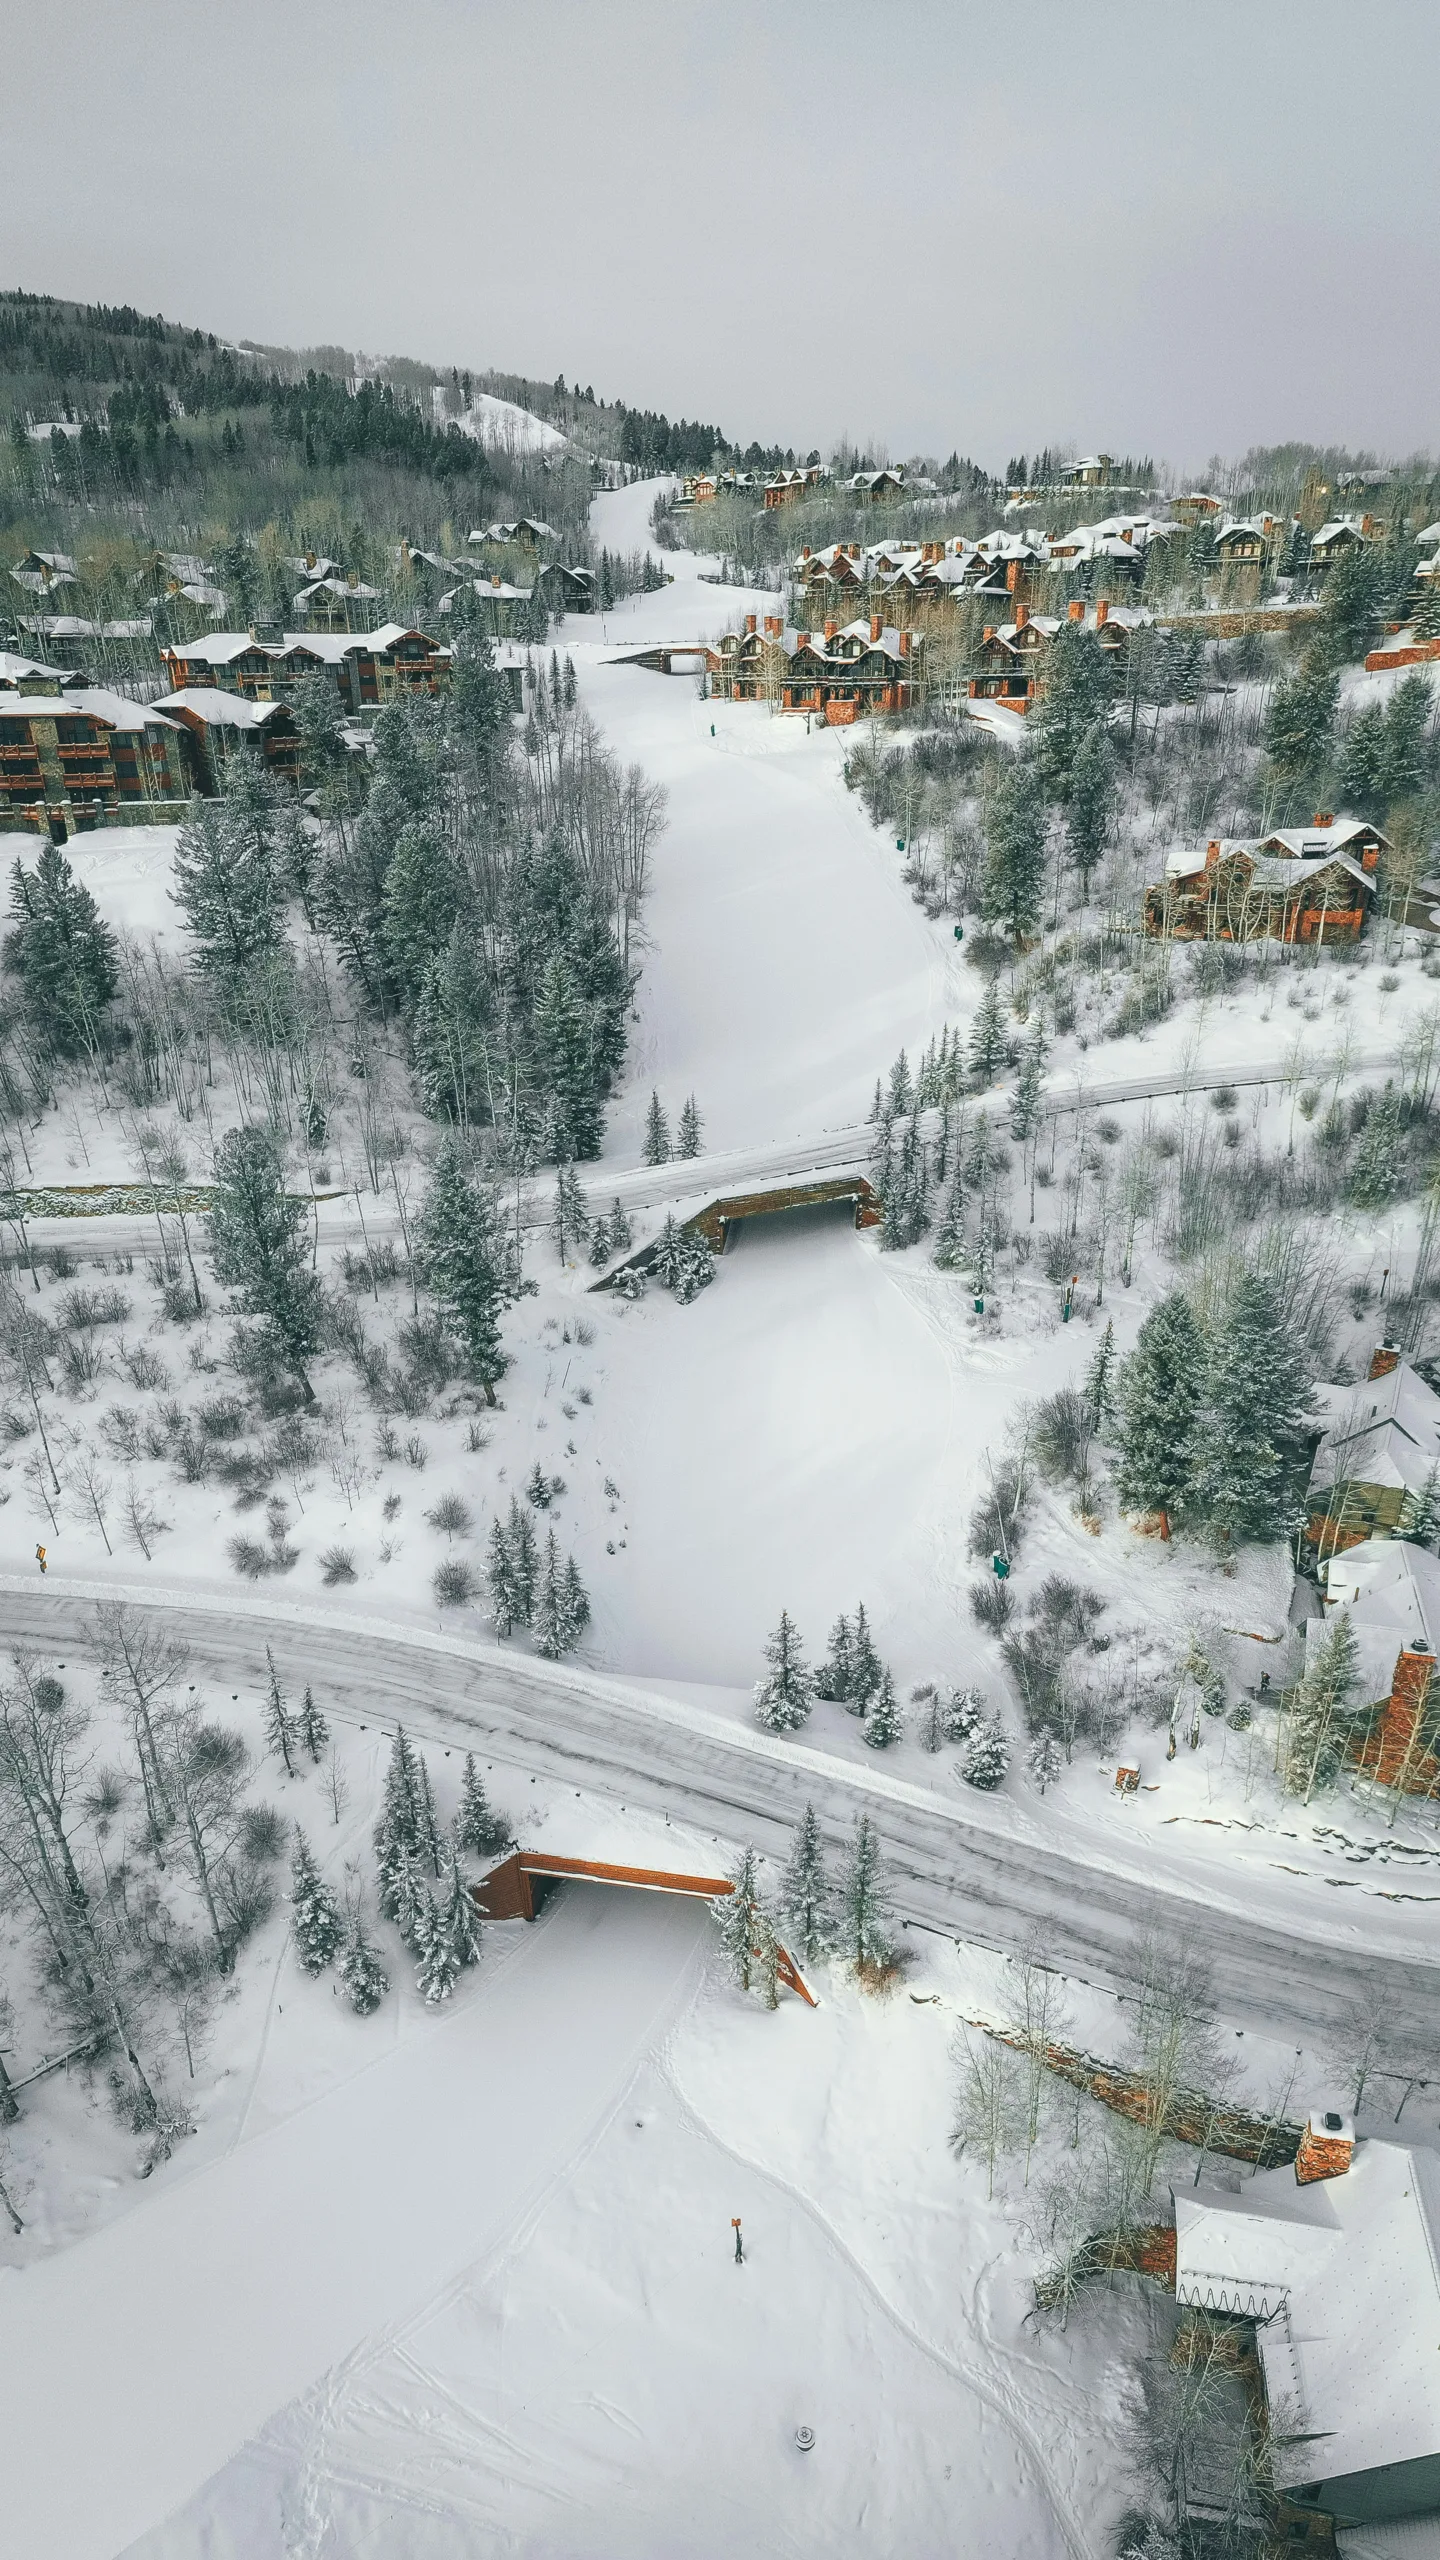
{"x":990,"y":2111}
{"x":91,"y":1485}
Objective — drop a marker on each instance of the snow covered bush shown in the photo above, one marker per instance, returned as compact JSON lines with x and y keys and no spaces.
{"x":987,"y":1759}
{"x":992,"y":1604}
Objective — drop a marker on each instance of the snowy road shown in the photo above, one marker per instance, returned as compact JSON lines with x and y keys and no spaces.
{"x":162,"y":2343}
{"x":1282,"y":1956}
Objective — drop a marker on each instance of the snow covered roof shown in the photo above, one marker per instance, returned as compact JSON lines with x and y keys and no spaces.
{"x":72,"y":626}
{"x":335,"y":587}
{"x":222,"y":648}
{"x":1428,"y":535}
{"x":38,"y":582}
{"x":1337,"y":525}
{"x":1391,"y":1589}
{"x":219,"y":710}
{"x":1268,"y":870}
{"x":1321,"y":837}
{"x":1344,"y":2278}
{"x":1386,"y":1431}
{"x":494,"y":590}
{"x":14,"y":670}
{"x":96,"y":700}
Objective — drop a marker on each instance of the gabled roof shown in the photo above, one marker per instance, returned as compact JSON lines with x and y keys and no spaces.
{"x":1328,"y":533}
{"x":14,"y":670}
{"x":336,"y":587}
{"x":96,"y":701}
{"x":220,"y":710}
{"x":1349,"y":2330}
{"x":1385,"y":1431}
{"x":1312,"y":843}
{"x":222,"y":648}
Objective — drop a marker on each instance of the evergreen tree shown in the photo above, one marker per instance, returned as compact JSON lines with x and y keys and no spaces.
{"x":427,"y":1829}
{"x":657,"y":1134}
{"x":1025,"y":1111}
{"x":806,"y":1895}
{"x":883,"y":1723}
{"x":1255,"y":1442}
{"x":437,"y":1959}
{"x":500,"y":1581}
{"x":470,"y":1263}
{"x":833,"y":1678}
{"x":783,"y":1698}
{"x":260,"y":1245}
{"x":736,"y":1915}
{"x":961,"y":1711}
{"x":950,"y":1248}
{"x":1079,"y":690}
{"x":460,"y":1920}
{"x":400,"y":1828}
{"x":866,"y":1668}
{"x":423,"y":901}
{"x":767,"y":1959}
{"x":690,"y":1128}
{"x":1045,"y":1762}
{"x":1099,"y":1386}
{"x":1091,"y":809}
{"x":987,"y":1038}
{"x":524,"y":1560}
{"x":570,"y":1218}
{"x":600,"y":1245}
{"x":620,"y":1235}
{"x":902,"y":1091}
{"x":1014,"y":881}
{"x":1376,"y":1174}
{"x":1407,"y":724}
{"x":63,"y":953}
{"x":695,"y":1267}
{"x":1301,"y":720}
{"x":314,"y":1731}
{"x":987,"y":1757}
{"x":1362,"y":772}
{"x":864,"y":1911}
{"x":667,"y":1260}
{"x":315,"y":1922}
{"x":279,"y":1723}
{"x":574,"y":1606}
{"x":478,"y":1827}
{"x":361,"y":1972}
{"x":1161,"y":1389}
{"x":228,"y":883}
{"x":1420,"y":1512}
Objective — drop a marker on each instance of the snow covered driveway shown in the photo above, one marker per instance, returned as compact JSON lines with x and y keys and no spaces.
{"x":162,"y":2343}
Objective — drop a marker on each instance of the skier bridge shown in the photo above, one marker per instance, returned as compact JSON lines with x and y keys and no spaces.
{"x":714,"y":1222}
{"x":515,"y":1889}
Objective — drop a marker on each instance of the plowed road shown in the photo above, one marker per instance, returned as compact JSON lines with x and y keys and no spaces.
{"x":1286,"y":1953}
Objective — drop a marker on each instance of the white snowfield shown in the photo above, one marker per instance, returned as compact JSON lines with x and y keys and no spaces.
{"x":162,"y":2343}
{"x":977,"y":1867}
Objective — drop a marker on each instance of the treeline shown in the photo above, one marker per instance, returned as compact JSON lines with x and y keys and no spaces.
{"x":649,"y":443}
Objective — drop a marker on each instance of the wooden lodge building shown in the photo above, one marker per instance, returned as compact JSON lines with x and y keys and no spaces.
{"x":1010,"y":662}
{"x":1376,"y":1455}
{"x":1391,"y":1590}
{"x":1298,"y":884}
{"x":368,"y":667}
{"x":843,"y":673}
{"x":77,"y":758}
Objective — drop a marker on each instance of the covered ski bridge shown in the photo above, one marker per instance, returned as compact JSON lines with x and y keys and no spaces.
{"x":515,"y":1889}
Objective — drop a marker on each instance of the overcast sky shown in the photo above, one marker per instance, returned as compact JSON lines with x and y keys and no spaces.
{"x":1175,"y":226}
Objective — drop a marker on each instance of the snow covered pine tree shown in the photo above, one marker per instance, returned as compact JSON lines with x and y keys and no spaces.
{"x":807,"y":1899}
{"x":314,"y":1912}
{"x":783,"y":1698}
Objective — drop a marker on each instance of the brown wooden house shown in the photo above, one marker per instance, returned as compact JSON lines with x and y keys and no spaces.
{"x":1236,"y":892}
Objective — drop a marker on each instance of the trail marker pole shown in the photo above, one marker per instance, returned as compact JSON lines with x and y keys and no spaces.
{"x":739,"y":2252}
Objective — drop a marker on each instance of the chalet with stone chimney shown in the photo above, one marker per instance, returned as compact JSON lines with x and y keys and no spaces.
{"x":221,"y":726}
{"x":1298,"y":884}
{"x":784,"y":487}
{"x":1334,"y":2267}
{"x":1010,"y":663}
{"x":843,"y":673}
{"x":1378,"y":1456}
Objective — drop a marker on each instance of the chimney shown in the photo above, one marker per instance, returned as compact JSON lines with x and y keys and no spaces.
{"x":749,"y":621}
{"x":1022,"y":616}
{"x":876,"y":626}
{"x":904,"y":644}
{"x":1102,"y":613}
{"x":1326,"y":2147}
{"x":1383,"y":1359}
{"x":1077,"y":610}
{"x":830,"y":630}
{"x":805,"y":551}
{"x":1012,"y":576}
{"x":1212,"y":853}
{"x":1127,"y":533}
{"x":989,"y":631}
{"x":1323,"y":818}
